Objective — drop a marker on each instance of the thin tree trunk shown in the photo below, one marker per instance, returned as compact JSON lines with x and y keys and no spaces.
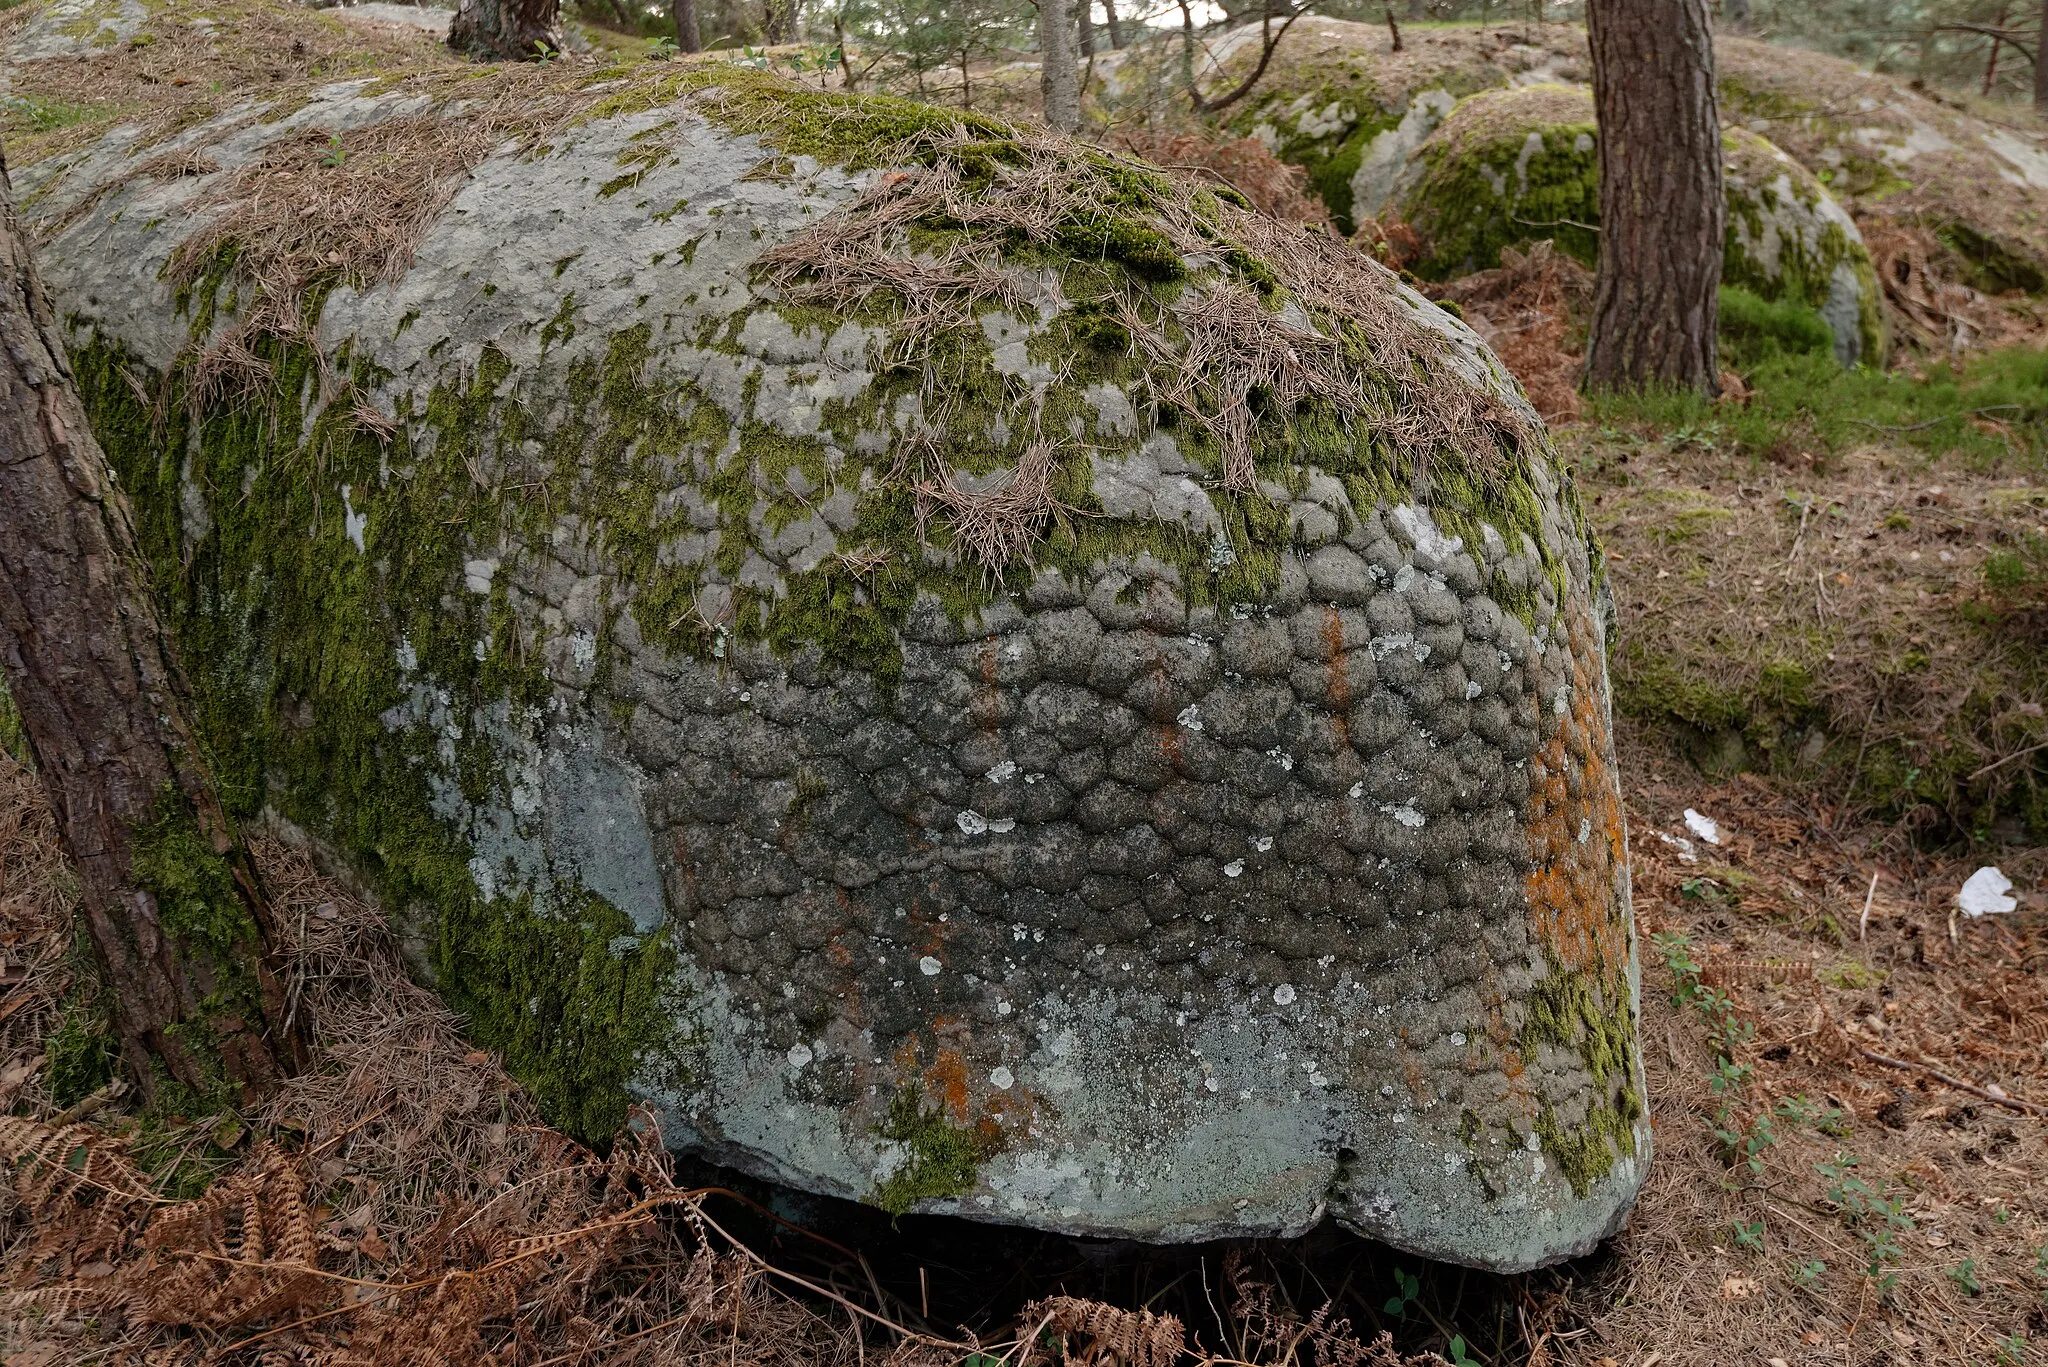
{"x":173,"y":908}
{"x":1084,"y":23}
{"x":1113,"y":24}
{"x":1655,"y":305}
{"x":689,"y":36}
{"x":966,"y":83}
{"x":1991,"y":62}
{"x":1058,"y":73}
{"x":492,"y":30}
{"x":2041,"y":65}
{"x":778,"y":24}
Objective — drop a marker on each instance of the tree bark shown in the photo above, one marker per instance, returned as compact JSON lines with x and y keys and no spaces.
{"x":1059,"y":77}
{"x":1655,"y":305}
{"x":2041,"y":65}
{"x":173,"y":906}
{"x":1736,"y":12}
{"x":1084,"y":23}
{"x":506,"y":30}
{"x":778,"y":22}
{"x":1113,"y":24}
{"x":689,"y":37}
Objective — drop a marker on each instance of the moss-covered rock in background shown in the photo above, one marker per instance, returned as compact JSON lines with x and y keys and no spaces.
{"x":1336,"y":100}
{"x":1515,"y":166}
{"x":931,"y":654}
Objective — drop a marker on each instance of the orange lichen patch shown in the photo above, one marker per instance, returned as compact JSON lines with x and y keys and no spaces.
{"x":946,"y":1081}
{"x":1577,"y":844}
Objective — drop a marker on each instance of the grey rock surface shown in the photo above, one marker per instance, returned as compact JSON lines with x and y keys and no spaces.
{"x":1183,"y":913}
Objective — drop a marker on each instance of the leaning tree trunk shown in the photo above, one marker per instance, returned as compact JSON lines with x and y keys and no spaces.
{"x":1655,"y":305}
{"x":689,"y":37}
{"x":492,"y":30}
{"x":173,"y":907}
{"x":1059,"y":77}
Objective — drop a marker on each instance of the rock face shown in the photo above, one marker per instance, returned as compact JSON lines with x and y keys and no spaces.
{"x":966,"y":673}
{"x":1519,"y":165}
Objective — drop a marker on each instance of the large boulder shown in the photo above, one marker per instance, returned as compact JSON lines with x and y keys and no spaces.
{"x":1337,"y":100}
{"x":1519,"y":165}
{"x":1898,"y":154}
{"x":966,"y":672}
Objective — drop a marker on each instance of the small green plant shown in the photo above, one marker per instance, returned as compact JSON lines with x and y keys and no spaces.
{"x":1829,"y":1120}
{"x":1750,"y":1235}
{"x":544,"y":54}
{"x":661,"y":49}
{"x":1676,"y":949}
{"x":1408,"y":1287}
{"x":1806,"y":1276}
{"x":2012,"y":1349}
{"x":336,"y":153}
{"x":1459,"y":1357}
{"x":1745,"y":1145}
{"x":1964,"y":1275}
{"x":1872,"y":1213}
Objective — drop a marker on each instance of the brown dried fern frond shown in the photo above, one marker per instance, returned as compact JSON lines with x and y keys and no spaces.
{"x":246,"y":1251}
{"x":1114,"y":1337}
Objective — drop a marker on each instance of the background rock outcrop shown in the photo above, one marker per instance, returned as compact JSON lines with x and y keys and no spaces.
{"x":970,"y":673}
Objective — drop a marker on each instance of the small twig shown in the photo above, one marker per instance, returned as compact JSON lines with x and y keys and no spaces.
{"x":2011,"y":1103}
{"x":1554,"y":223}
{"x":2001,"y":763}
{"x":1863,"y":924}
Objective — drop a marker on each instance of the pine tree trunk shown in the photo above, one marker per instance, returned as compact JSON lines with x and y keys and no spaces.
{"x":500,"y":30}
{"x":1113,"y":24}
{"x":689,"y":37}
{"x":173,"y":907}
{"x":778,"y":24}
{"x":1058,"y":75}
{"x":2041,"y":64}
{"x":1084,"y":20}
{"x":1655,"y":305}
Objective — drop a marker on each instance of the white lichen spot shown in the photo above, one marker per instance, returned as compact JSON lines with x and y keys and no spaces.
{"x":583,"y":649}
{"x":408,"y":658}
{"x":799,"y":1055}
{"x":1357,"y":789}
{"x":1001,"y":1078}
{"x":478,"y":574}
{"x":1562,"y":702}
{"x":1004,"y":1008}
{"x":1190,"y":717}
{"x":1003,"y":772}
{"x":352,"y":522}
{"x":1283,"y":995}
{"x":1262,"y":843}
{"x":1585,"y":829}
{"x":1406,"y":814}
{"x":1457,"y":1039}
{"x":1531,"y":1141}
{"x":929,"y":966}
{"x":1212,"y":1084}
{"x":1317,"y":1080}
{"x":1386,"y":1089}
{"x":971,"y":822}
{"x":1233,"y":868}
{"x":1286,"y":760}
{"x":1002,"y":825}
{"x":1472,"y":689}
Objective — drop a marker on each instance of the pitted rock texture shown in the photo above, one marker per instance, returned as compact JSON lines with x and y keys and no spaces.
{"x":1229,"y":860}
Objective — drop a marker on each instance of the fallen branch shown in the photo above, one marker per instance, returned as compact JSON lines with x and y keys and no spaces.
{"x":2011,"y":1103}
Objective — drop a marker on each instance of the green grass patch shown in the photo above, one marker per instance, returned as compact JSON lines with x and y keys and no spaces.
{"x":1989,"y":410}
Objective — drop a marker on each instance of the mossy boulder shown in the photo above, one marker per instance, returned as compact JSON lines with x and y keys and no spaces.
{"x":1892,"y":153}
{"x":1337,"y":100}
{"x":1519,"y":165}
{"x":966,"y":672}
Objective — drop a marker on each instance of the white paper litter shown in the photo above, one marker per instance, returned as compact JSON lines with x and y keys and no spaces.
{"x":1705,"y":827}
{"x":1681,"y":844}
{"x":1984,"y":894}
